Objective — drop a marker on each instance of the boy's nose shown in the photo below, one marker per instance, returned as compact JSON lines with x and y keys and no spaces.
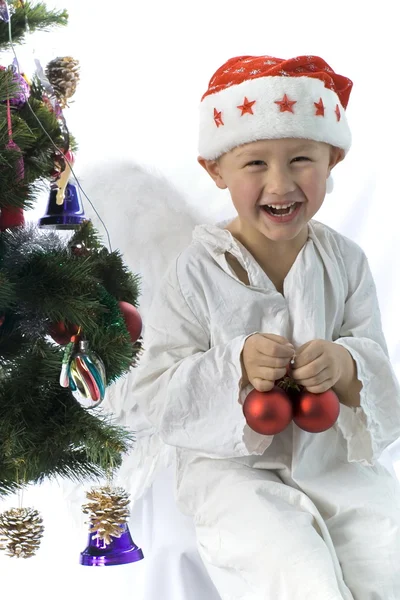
{"x":279,"y":182}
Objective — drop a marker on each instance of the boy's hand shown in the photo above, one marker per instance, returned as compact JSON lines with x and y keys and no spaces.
{"x":265,"y":357}
{"x":319,"y":365}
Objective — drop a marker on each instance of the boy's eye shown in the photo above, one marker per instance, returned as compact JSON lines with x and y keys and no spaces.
{"x":299,"y":158}
{"x":255,"y":163}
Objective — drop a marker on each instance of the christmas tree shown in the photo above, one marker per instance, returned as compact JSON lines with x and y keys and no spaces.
{"x":67,"y":306}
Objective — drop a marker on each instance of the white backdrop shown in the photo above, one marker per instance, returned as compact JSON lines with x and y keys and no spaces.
{"x":144,"y":67}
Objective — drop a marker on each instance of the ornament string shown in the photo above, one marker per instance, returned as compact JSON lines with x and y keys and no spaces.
{"x":20,"y":490}
{"x":49,"y":137}
{"x":110,"y":473}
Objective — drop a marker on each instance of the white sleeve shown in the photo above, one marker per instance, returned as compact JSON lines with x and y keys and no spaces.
{"x":373,"y":426}
{"x":189,"y":391}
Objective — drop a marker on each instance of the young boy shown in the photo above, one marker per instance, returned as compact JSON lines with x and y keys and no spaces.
{"x":294,"y":516}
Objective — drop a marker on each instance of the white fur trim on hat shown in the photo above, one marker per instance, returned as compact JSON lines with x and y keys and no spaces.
{"x":267,"y":120}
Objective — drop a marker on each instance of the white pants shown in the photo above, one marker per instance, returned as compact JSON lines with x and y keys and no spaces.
{"x":283,"y":534}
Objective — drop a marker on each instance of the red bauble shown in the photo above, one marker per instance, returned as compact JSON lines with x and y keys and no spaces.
{"x":316,"y":412}
{"x":62,"y":333}
{"x":11,"y":217}
{"x":268,"y":413}
{"x":133,"y":320}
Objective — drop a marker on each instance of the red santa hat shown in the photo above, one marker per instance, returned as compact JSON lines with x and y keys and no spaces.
{"x":254,"y":98}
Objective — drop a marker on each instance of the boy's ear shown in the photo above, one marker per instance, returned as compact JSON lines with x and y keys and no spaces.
{"x":214,"y":170}
{"x":337,"y":155}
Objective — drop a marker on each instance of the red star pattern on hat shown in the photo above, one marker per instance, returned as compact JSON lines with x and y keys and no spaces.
{"x":337,"y":111}
{"x":217,"y":118}
{"x":320,"y":112}
{"x":246,"y":107}
{"x":285,"y":104}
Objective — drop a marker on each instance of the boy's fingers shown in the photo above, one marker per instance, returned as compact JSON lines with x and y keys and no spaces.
{"x":277,"y":338}
{"x":313,"y":370}
{"x":262,"y":385}
{"x":306,"y":354}
{"x":273,"y":362}
{"x":271,"y":374}
{"x":276,"y":346}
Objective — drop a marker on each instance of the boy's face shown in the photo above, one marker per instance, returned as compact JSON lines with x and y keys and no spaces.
{"x":276,"y":172}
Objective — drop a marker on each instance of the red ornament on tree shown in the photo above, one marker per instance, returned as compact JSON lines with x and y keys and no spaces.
{"x":268,"y":413}
{"x":11,"y":217}
{"x":316,"y":412}
{"x":133,"y":320}
{"x":62,"y":333}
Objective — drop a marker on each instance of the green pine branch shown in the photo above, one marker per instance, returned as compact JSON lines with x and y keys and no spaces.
{"x":46,"y":134}
{"x":35,"y":128}
{"x":8,"y":295}
{"x":86,"y":235}
{"x":117,"y":279}
{"x":32,"y":17}
{"x":8,"y":87}
{"x":44,"y":431}
{"x":38,"y":151}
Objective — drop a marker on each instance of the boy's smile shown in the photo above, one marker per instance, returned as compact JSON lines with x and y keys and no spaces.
{"x":282,"y":213}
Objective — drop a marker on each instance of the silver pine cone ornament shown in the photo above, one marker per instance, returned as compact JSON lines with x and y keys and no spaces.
{"x":63,"y":74}
{"x":108,"y":510}
{"x":21,"y":532}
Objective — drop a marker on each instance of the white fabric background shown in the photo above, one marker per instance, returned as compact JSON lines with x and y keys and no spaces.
{"x":144,"y":67}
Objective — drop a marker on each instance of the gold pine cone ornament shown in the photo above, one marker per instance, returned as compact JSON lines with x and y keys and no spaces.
{"x":63,"y":74}
{"x":108,"y":511}
{"x":21,"y":531}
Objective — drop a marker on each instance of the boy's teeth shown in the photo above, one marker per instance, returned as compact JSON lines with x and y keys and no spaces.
{"x":285,"y":209}
{"x":281,"y":205}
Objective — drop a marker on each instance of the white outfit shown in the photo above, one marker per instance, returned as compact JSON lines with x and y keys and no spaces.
{"x":297,"y":515}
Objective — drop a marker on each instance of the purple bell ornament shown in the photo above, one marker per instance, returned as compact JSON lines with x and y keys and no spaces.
{"x":120,"y":551}
{"x":64,"y":208}
{"x":69,"y":214}
{"x":110,"y":542}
